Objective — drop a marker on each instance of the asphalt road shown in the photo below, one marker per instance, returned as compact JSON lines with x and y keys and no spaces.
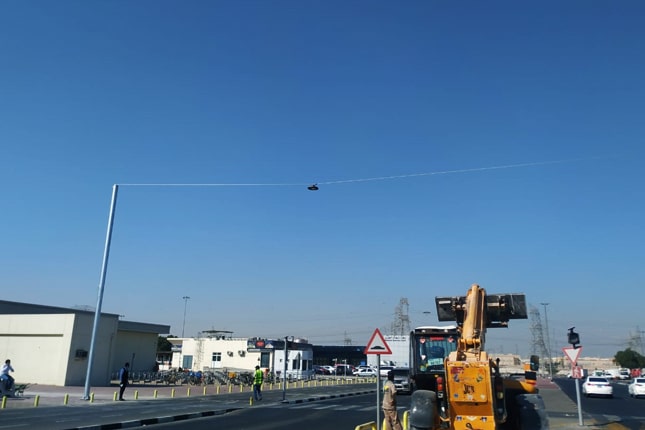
{"x":338,"y":413}
{"x":621,"y":411}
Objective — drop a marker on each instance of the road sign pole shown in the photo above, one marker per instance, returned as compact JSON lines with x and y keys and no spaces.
{"x":378,"y":392}
{"x":572,"y":354}
{"x":580,"y":422}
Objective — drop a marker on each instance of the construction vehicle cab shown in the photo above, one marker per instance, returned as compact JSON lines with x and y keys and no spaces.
{"x":477,"y":397}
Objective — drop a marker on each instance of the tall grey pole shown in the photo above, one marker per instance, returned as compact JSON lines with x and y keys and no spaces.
{"x":548,"y":340}
{"x":284,"y":375}
{"x":378,"y":391}
{"x":184,"y":324}
{"x":99,"y":302}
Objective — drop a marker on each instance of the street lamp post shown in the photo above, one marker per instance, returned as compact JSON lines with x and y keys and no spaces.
{"x":99,"y":301}
{"x":183,"y":326}
{"x":284,"y":375}
{"x":548,"y":341}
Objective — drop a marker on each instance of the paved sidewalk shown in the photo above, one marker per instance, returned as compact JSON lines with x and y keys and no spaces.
{"x":50,"y":395}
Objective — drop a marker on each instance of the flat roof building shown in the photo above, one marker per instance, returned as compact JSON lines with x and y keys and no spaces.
{"x":50,"y":345}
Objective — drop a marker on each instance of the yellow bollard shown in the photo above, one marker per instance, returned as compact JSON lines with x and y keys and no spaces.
{"x":91,"y":397}
{"x":251,"y":401}
{"x":188,"y":392}
{"x":230,"y":388}
{"x":136,"y":394}
{"x":114,"y":397}
{"x":218,"y":387}
{"x":172,"y":393}
{"x":155,"y":393}
{"x":204,"y":390}
{"x":4,"y":402}
{"x":241,"y":388}
{"x":66,"y":399}
{"x":36,"y":400}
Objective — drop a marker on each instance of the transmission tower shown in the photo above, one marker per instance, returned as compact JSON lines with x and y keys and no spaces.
{"x":401,"y":324}
{"x":347,"y":341}
{"x":538,"y":346}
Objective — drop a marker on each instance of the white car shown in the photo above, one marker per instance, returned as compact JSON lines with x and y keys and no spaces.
{"x":597,"y":386}
{"x":636,"y":387}
{"x":365,"y":372}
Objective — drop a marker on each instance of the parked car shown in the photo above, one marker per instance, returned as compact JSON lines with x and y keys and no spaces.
{"x":636,"y":387}
{"x":321,"y":370}
{"x":344,"y":370}
{"x":597,"y":386}
{"x":365,"y":372}
{"x":402,"y":380}
{"x":330,"y":369}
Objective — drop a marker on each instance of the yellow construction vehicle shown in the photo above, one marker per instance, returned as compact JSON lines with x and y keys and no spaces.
{"x":477,"y":396}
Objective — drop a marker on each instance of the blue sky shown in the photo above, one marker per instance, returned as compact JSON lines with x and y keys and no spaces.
{"x":267,"y":97}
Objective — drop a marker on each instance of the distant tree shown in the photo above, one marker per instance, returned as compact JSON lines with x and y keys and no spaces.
{"x":163,"y":344}
{"x":629,"y":359}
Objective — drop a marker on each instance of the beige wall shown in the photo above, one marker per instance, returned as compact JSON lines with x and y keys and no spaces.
{"x":138,"y":349}
{"x":37,"y":345}
{"x":103,"y":350}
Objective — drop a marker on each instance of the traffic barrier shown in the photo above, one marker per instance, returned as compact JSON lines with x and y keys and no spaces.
{"x":114,"y":396}
{"x":66,"y":399}
{"x":36,"y":400}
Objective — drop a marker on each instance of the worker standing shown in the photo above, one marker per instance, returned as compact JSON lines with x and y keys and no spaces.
{"x":258,"y":378}
{"x":389,"y":404}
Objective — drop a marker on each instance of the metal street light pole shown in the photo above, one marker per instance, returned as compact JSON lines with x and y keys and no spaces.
{"x":99,"y":302}
{"x":284,"y":375}
{"x":548,"y":340}
{"x":183,"y":326}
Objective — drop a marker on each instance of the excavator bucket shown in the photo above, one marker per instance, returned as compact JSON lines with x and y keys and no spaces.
{"x":500,"y":308}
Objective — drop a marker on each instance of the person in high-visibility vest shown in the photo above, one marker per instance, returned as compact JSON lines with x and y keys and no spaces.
{"x":258,"y":378}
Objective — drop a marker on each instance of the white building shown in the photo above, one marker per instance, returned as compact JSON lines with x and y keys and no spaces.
{"x":217,"y":350}
{"x":400,"y":357}
{"x":50,"y":345}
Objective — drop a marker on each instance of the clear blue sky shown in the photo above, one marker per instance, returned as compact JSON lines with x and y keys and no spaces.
{"x":282,"y":94}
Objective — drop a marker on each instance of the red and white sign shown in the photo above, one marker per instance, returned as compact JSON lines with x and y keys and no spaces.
{"x":572,"y":354}
{"x":377,"y":344}
{"x":576,"y":372}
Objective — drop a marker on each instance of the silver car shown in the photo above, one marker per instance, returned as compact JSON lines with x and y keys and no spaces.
{"x":402,"y":379}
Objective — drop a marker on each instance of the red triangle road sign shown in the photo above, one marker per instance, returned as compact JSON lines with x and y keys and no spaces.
{"x":572,"y":354}
{"x":377,"y":344}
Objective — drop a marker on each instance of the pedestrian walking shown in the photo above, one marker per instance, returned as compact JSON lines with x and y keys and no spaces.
{"x":124,"y":375}
{"x":258,"y":378}
{"x":389,"y":404}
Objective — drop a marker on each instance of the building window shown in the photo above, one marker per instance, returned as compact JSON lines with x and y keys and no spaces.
{"x":217,"y":356}
{"x":187,"y":362}
{"x":265,"y":359}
